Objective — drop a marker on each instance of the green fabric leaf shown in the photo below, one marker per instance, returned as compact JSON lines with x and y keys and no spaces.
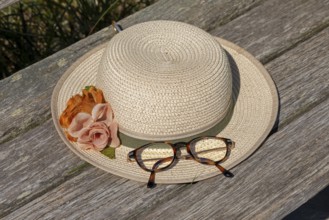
{"x":109,"y":152}
{"x":87,"y":88}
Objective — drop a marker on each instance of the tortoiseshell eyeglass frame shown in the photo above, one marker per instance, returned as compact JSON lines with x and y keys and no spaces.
{"x":133,"y":155}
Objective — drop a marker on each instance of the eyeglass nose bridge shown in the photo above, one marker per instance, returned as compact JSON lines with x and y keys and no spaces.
{"x":183,"y":157}
{"x":179,"y":154}
{"x":180,"y":144}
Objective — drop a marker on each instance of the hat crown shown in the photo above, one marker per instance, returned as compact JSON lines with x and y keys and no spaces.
{"x":165,"y":80}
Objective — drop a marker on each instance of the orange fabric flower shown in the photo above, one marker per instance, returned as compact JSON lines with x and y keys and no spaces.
{"x":81,"y":103}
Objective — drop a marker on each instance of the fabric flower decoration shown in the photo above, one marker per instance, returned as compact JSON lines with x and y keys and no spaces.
{"x":95,"y":131}
{"x":90,"y":121}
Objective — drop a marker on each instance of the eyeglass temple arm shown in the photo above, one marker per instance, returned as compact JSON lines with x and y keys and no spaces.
{"x":151,"y":182}
{"x":226,"y":172}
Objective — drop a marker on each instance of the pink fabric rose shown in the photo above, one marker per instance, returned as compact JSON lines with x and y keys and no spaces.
{"x":80,"y":121}
{"x":95,"y":136}
{"x":97,"y":130}
{"x":102,"y":112}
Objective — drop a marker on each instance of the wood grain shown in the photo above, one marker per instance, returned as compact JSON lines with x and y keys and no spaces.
{"x":304,"y":65}
{"x":25,"y":96}
{"x":314,"y":72}
{"x":6,"y":3}
{"x":276,"y":26}
{"x":204,"y":14}
{"x":100,"y":193}
{"x":30,"y":165}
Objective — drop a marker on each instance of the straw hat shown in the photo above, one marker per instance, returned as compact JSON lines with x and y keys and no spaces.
{"x":169,"y":80}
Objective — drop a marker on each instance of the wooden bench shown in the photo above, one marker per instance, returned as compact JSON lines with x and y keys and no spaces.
{"x":41,"y":178}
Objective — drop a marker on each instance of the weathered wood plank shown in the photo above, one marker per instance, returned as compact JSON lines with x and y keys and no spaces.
{"x":276,"y":180}
{"x":25,"y":96}
{"x":100,"y":192}
{"x":6,"y":3}
{"x":203,"y":14}
{"x":35,"y":162}
{"x":301,"y":74}
{"x":305,"y":65}
{"x":276,"y":26}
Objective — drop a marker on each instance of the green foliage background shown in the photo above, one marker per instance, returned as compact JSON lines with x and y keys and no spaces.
{"x":32,"y":30}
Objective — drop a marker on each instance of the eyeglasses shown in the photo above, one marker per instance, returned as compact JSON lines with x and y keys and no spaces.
{"x":205,"y":150}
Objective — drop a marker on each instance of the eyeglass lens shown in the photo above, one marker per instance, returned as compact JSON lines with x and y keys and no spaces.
{"x":210,"y":148}
{"x":155,"y":156}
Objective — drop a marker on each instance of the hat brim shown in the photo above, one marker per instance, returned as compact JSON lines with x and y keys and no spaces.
{"x":253,"y":115}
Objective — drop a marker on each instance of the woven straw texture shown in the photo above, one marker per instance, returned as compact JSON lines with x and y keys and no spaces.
{"x":165,"y":80}
{"x":254,"y":111}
